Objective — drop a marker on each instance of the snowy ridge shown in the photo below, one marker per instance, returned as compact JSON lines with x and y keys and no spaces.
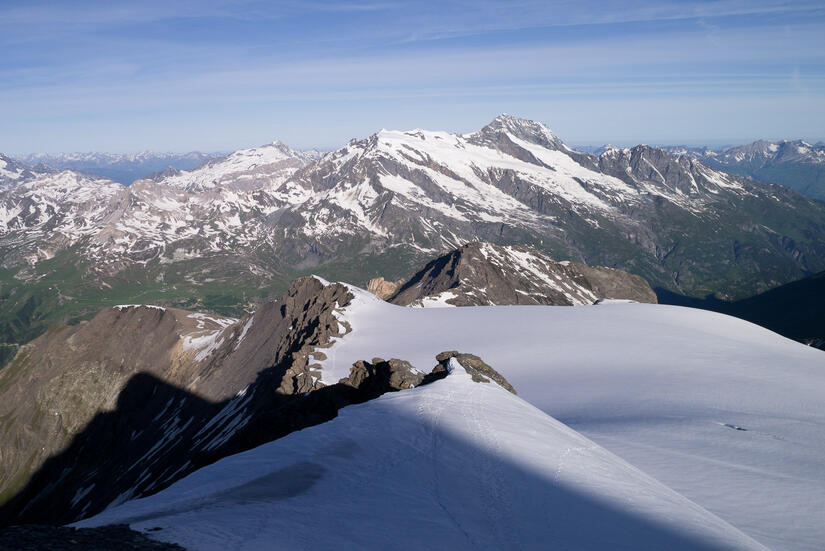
{"x":150,"y":306}
{"x":450,"y":175}
{"x":657,"y":385}
{"x":476,"y":466}
{"x":266,"y":167}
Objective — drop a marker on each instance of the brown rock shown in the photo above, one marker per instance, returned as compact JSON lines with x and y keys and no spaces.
{"x":475,"y":366}
{"x":382,"y":288}
{"x":480,"y":274}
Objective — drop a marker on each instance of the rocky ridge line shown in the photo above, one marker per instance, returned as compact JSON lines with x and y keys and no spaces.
{"x":485,"y":274}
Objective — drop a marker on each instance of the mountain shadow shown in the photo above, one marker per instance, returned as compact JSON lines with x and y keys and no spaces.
{"x":158,"y":433}
{"x":383,"y":466}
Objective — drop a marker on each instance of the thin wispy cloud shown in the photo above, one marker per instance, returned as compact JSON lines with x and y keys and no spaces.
{"x":165,"y":70}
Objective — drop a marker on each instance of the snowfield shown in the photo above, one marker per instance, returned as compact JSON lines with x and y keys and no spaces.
{"x":719,"y":424}
{"x":453,"y":465}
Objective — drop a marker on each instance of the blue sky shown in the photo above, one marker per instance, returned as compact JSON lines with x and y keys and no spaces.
{"x":219,"y":75}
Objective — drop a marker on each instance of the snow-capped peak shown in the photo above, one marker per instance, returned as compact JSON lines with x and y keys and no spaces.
{"x":266,"y":166}
{"x":524,"y":129}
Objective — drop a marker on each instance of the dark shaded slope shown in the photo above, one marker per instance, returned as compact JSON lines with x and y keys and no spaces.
{"x":795,"y":310}
{"x":132,"y":452}
{"x":127,"y":407}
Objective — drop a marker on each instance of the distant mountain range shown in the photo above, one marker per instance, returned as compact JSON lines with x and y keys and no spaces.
{"x":126,"y":168}
{"x":123,"y":168}
{"x":796,"y":164}
{"x":241,"y":227}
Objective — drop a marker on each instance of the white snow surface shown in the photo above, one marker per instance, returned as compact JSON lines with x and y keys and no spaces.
{"x":276,"y":162}
{"x":658,"y":385}
{"x":467,"y":465}
{"x":452,"y":465}
{"x":454,"y":166}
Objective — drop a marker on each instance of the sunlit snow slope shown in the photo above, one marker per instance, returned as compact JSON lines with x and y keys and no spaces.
{"x":453,"y":465}
{"x":664,"y":387}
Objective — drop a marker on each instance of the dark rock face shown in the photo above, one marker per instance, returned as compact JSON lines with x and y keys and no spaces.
{"x":118,"y":537}
{"x":393,"y":374}
{"x":137,"y":398}
{"x":609,"y":283}
{"x":481,"y":273}
{"x":475,"y":367}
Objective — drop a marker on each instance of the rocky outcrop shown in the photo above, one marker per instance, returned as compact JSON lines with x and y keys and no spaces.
{"x":609,"y":283}
{"x":475,"y":367}
{"x":380,"y":376}
{"x":393,"y":374}
{"x":382,"y":288}
{"x":486,"y":274}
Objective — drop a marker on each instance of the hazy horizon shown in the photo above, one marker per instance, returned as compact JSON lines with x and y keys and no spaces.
{"x":595,"y":144}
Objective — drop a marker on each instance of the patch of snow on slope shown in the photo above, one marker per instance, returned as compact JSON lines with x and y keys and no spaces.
{"x":540,"y":270}
{"x":226,"y":423}
{"x":244,"y":331}
{"x":202,"y":319}
{"x":563,"y":179}
{"x":150,"y":306}
{"x":204,"y":343}
{"x":435,"y":301}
